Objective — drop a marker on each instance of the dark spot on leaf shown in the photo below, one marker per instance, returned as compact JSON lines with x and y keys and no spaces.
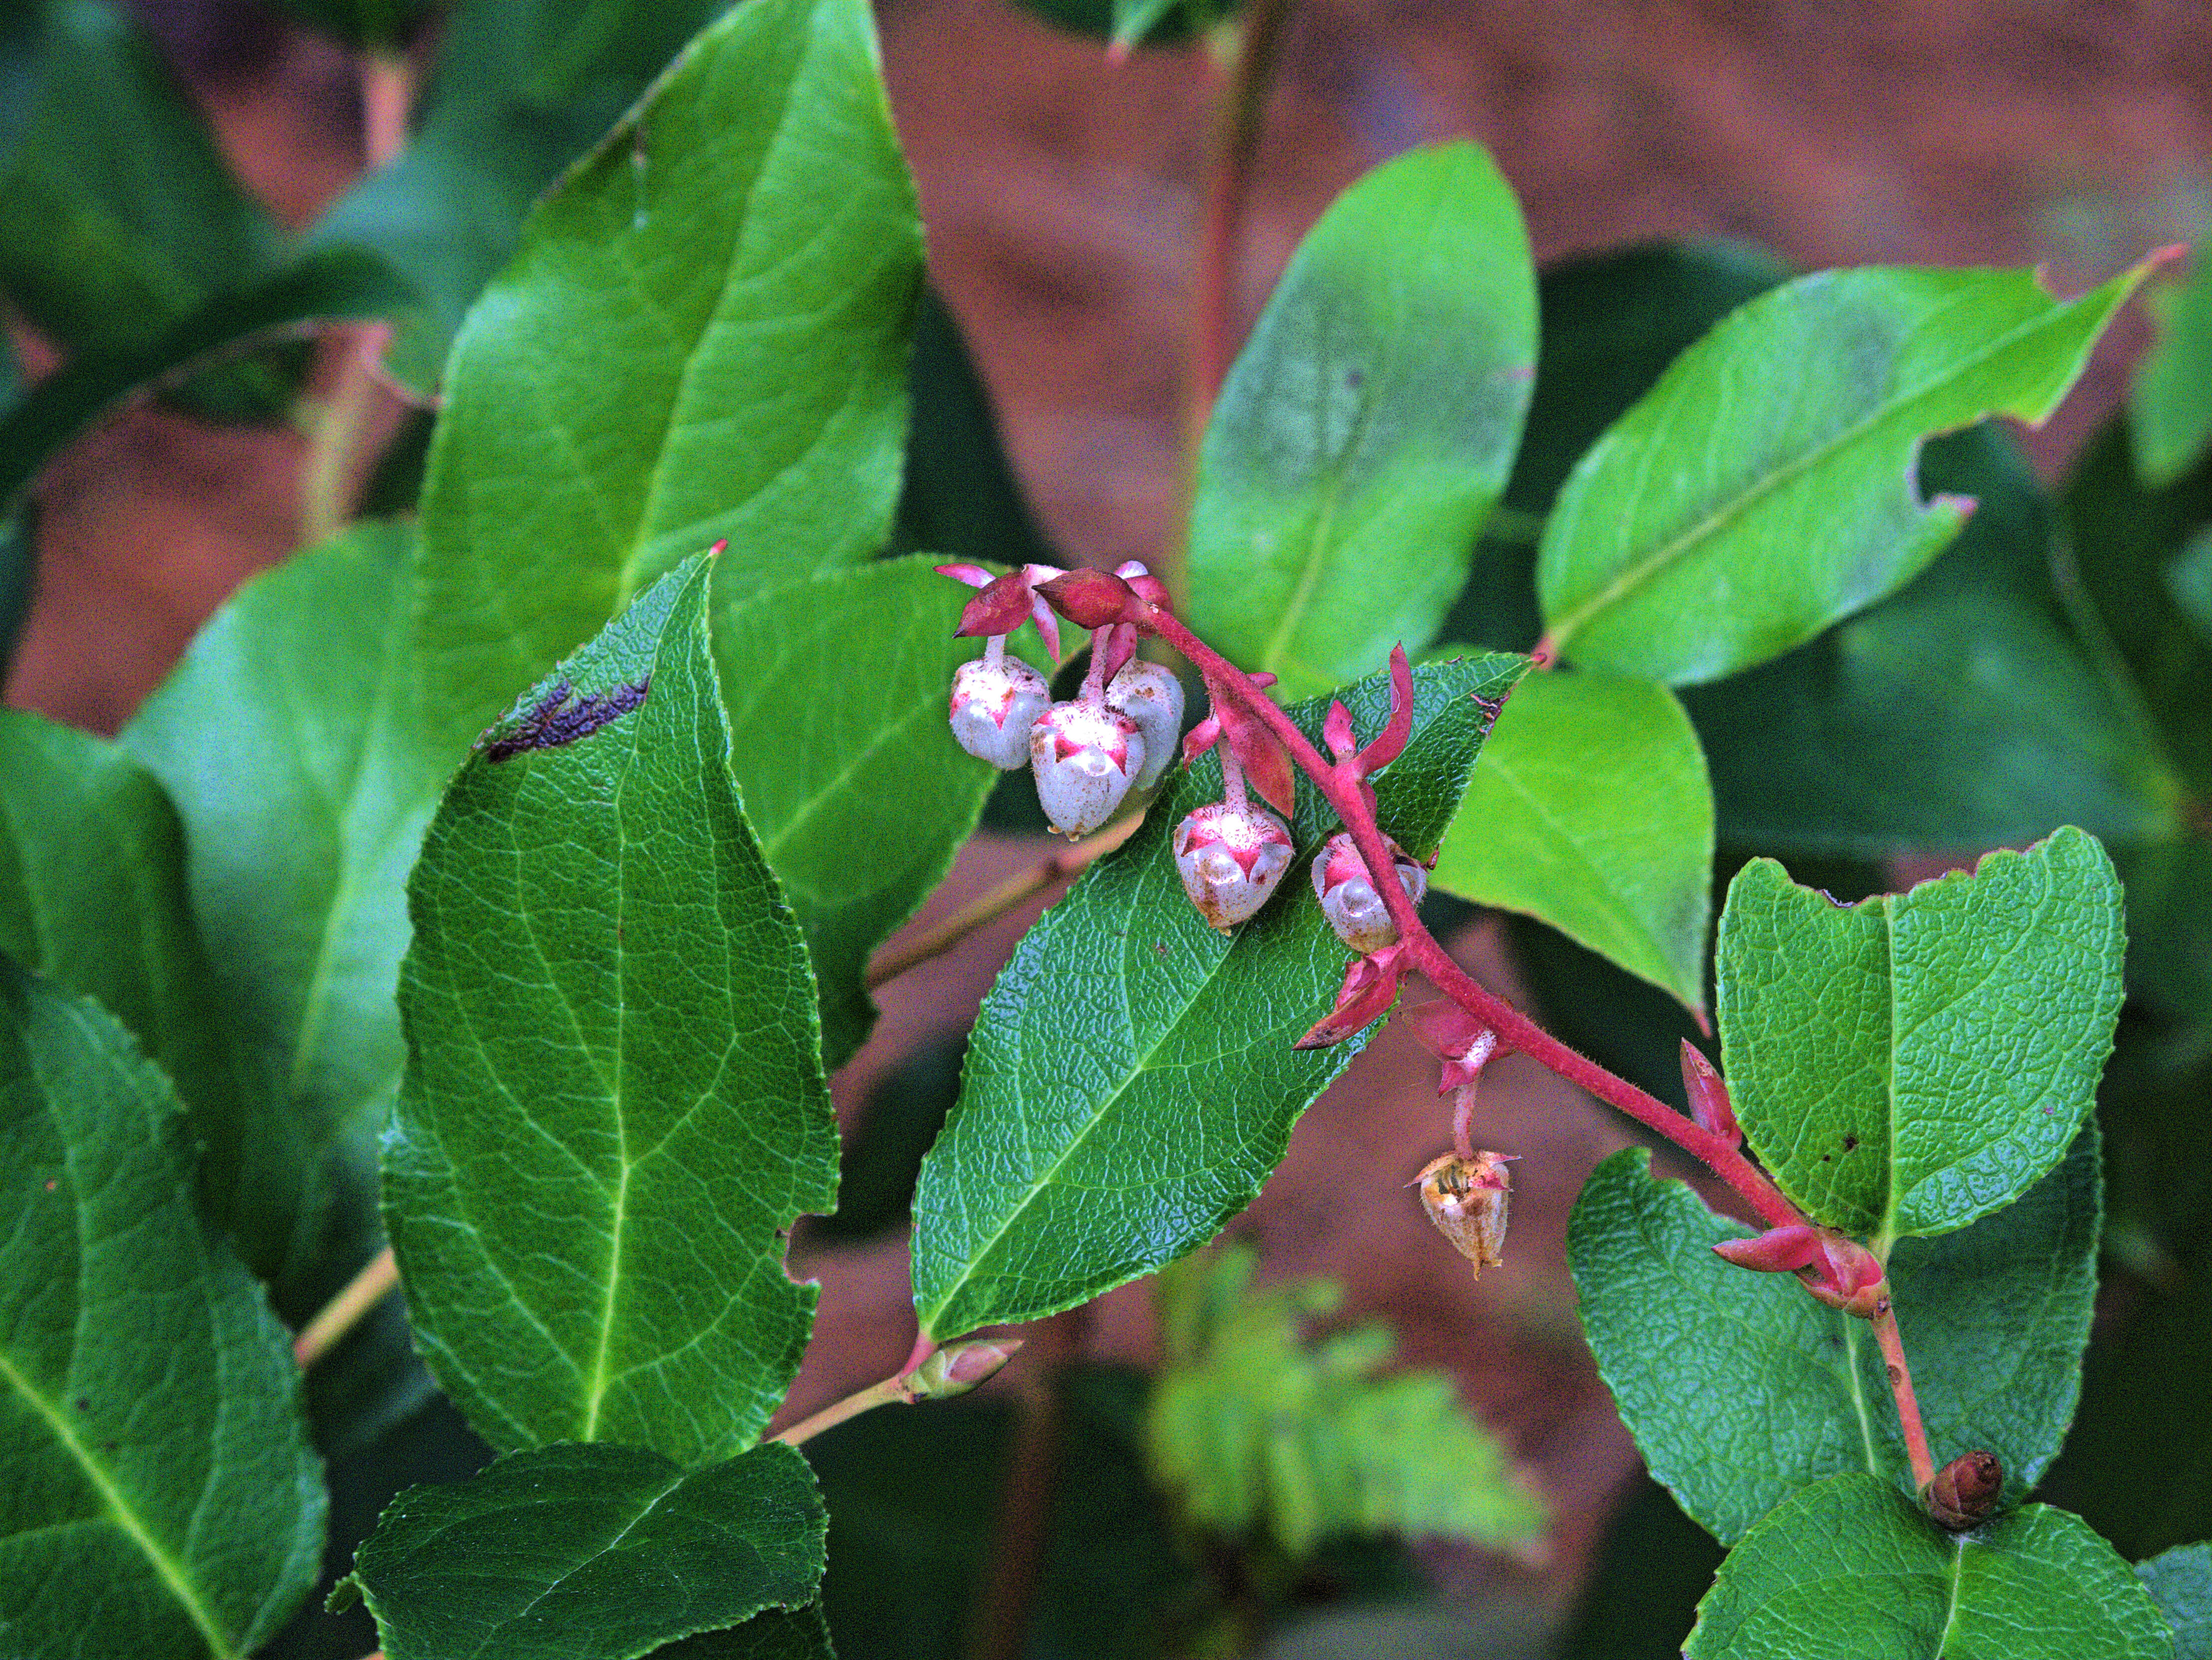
{"x":1827,"y":1159}
{"x":83,"y":1403}
{"x":1851,"y":1144}
{"x":556,"y":721}
{"x":1354,"y":379}
{"x":1158,"y":949}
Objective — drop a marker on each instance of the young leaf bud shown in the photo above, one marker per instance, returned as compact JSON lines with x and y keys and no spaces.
{"x":1468,"y":1199}
{"x":1354,"y":909}
{"x":1084,"y":756}
{"x":1149,"y":695}
{"x":994,"y":707}
{"x":1965,"y":1492}
{"x":958,"y":1368}
{"x":1229,"y":857}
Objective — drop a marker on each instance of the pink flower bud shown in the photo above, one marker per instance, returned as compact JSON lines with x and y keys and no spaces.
{"x":1084,"y":756}
{"x":1231,"y":857}
{"x":958,"y":1368}
{"x":1468,"y":1199}
{"x":1709,"y":1097}
{"x":994,"y":707}
{"x":1354,"y":909}
{"x":1149,"y":695}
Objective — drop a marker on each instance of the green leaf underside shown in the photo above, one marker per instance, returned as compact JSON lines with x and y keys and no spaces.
{"x":522,"y":89}
{"x":1764,"y":488}
{"x":703,"y":337}
{"x":1964,"y":711}
{"x":1130,"y":1083}
{"x":2170,"y":406}
{"x":836,"y":689}
{"x":1850,"y":1570}
{"x":1907,"y":1064}
{"x":163,"y":1498}
{"x":1787,"y":1391}
{"x":292,"y":741}
{"x":1261,"y":1429}
{"x":614,"y":1099}
{"x":1591,"y":811}
{"x":608,"y":1551}
{"x":2180,"y":1581}
{"x":1368,"y":426}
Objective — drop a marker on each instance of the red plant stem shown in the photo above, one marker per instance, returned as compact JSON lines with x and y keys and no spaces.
{"x":1340,"y":786}
{"x":1901,"y":1385}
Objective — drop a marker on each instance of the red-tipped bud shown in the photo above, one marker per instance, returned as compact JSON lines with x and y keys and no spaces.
{"x":994,"y":707}
{"x":1349,"y":900}
{"x":1370,"y":986}
{"x":1149,"y":695}
{"x":1231,"y":859}
{"x":1709,"y":1097}
{"x":959,"y":1367}
{"x":1457,"y":1038}
{"x":1838,"y":1270}
{"x":1468,"y":1199}
{"x":1779,"y":1251}
{"x":1094,"y":598}
{"x":1085,"y":756}
{"x":1964,"y":1494}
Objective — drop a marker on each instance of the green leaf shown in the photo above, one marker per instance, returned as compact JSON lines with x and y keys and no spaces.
{"x":2170,"y":406}
{"x":163,"y":1497}
{"x":93,"y":897}
{"x":1368,"y":426}
{"x":1591,"y":810}
{"x":777,"y":1635}
{"x":118,"y":213}
{"x":2180,"y":1581}
{"x":335,"y":283}
{"x":836,"y":688}
{"x":1258,"y":1427}
{"x":1964,"y":711}
{"x":1906,"y":1064}
{"x":2129,"y":546}
{"x":1130,"y":1083}
{"x":1764,"y":488}
{"x":1850,"y":1570}
{"x":522,"y":89}
{"x":703,"y":337}
{"x":1741,"y":1390}
{"x":291,"y":738}
{"x":608,"y":1551}
{"x":614,"y":1100}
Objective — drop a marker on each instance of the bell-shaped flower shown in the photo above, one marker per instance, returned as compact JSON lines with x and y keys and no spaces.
{"x":1230,"y":857}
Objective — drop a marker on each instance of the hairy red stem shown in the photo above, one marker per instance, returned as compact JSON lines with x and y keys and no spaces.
{"x":1340,"y":786}
{"x":1884,"y":1321}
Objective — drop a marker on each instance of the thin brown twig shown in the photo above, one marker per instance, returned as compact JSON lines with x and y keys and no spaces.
{"x":901,"y":955}
{"x":344,"y":1311}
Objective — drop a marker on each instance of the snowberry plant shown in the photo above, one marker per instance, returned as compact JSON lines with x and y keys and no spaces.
{"x":479,"y":911}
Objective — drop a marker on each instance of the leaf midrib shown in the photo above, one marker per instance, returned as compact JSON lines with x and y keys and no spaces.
{"x":1668,"y":553}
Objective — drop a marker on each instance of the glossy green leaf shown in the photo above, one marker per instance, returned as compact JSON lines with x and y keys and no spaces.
{"x":703,"y":337}
{"x":163,"y":1497}
{"x":2132,"y":549}
{"x":1965,"y":711}
{"x":1130,"y":1083}
{"x":118,"y":213}
{"x":2180,"y":1581}
{"x":1764,"y":488}
{"x":1850,"y":1570}
{"x":1907,"y":1064}
{"x":836,"y":688}
{"x":1260,"y":1427}
{"x":93,"y":896}
{"x":608,"y":1551}
{"x":521,"y":90}
{"x":343,"y":283}
{"x":1591,"y":810}
{"x":1741,"y":1390}
{"x":292,"y":741}
{"x":1368,"y":426}
{"x":2170,"y":406}
{"x":614,"y":1100}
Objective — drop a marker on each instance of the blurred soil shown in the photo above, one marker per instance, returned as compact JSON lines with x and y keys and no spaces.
{"x":1060,"y":197}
